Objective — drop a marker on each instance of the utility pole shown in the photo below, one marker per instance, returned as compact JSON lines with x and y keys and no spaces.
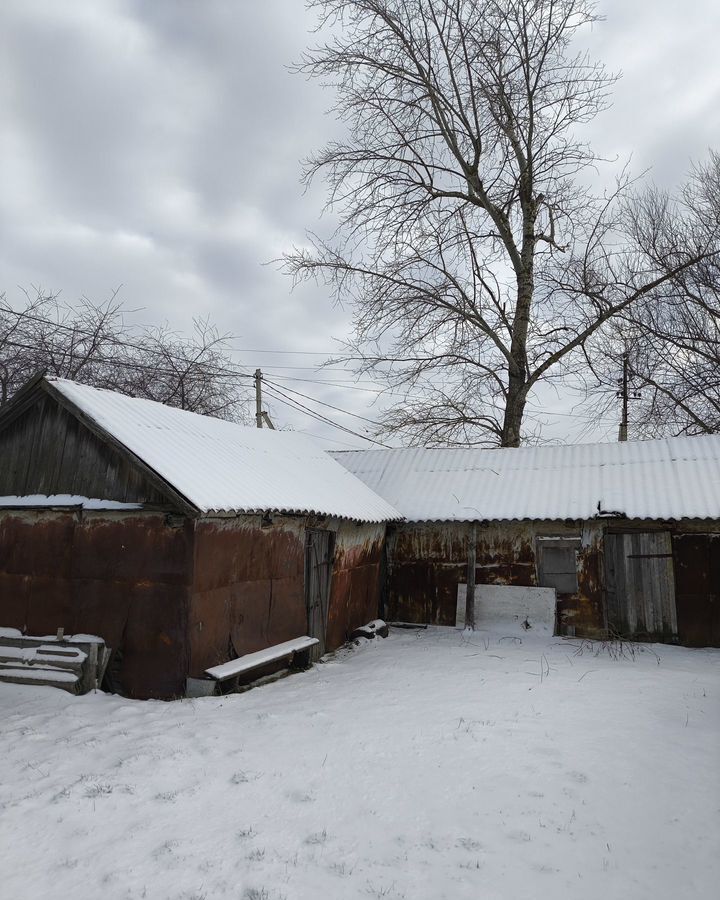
{"x":626,"y":396}
{"x":260,"y":415}
{"x":623,"y":392}
{"x":258,"y":399}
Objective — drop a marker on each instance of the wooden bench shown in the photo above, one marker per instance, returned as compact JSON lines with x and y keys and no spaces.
{"x":295,"y":653}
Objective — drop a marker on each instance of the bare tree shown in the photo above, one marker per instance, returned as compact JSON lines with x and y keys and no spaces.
{"x":477,"y":260}
{"x":94,"y":344}
{"x":671,"y":338}
{"x":190,"y":373}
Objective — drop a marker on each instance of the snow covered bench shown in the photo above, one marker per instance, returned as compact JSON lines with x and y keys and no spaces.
{"x":296,"y":652}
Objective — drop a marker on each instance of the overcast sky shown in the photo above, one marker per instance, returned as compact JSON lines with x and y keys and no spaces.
{"x":155,"y":144}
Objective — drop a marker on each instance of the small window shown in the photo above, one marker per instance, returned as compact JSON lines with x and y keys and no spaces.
{"x":557,"y":564}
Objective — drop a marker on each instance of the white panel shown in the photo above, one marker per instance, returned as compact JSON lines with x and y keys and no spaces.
{"x":510,"y":607}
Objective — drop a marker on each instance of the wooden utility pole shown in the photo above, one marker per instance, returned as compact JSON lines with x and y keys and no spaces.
{"x":258,"y":399}
{"x":626,"y":396}
{"x":470,"y":590}
{"x":623,"y":392}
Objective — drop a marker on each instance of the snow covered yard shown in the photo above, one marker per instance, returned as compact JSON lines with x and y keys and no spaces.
{"x":422,"y":766}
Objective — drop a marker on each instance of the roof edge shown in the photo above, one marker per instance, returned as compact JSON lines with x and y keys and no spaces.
{"x":180,"y":500}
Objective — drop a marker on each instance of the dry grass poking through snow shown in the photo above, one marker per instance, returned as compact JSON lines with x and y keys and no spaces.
{"x":423,"y":766}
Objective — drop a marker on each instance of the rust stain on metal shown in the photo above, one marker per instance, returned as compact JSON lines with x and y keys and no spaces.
{"x":248,"y":590}
{"x":355,"y":585}
{"x":125,"y":578}
{"x":585,"y":610}
{"x":427,"y":562}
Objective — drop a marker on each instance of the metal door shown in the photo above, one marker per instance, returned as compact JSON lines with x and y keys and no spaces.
{"x":697,"y":588}
{"x":639,"y":585}
{"x":319,"y":547}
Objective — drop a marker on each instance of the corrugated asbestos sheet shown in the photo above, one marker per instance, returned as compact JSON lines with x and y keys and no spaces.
{"x":667,"y":479}
{"x":223,"y":467}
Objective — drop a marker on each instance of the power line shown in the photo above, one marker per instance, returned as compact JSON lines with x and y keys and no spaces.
{"x":124,"y":363}
{"x":326,"y":438}
{"x":295,"y":404}
{"x":286,"y":352}
{"x":279,"y":395}
{"x":218,"y":372}
{"x":328,"y":405}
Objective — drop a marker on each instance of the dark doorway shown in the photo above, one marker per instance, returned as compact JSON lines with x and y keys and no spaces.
{"x":319,"y":549}
{"x":697,"y":588}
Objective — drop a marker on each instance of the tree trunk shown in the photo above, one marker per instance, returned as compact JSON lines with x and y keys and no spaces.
{"x":514,"y":411}
{"x":517,"y":374}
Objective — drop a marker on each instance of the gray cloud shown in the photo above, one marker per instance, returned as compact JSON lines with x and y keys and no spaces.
{"x":157,"y":145}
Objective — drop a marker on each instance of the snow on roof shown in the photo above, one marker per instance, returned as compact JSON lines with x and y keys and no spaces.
{"x":35,"y":501}
{"x":662,"y":479}
{"x":220,"y":466}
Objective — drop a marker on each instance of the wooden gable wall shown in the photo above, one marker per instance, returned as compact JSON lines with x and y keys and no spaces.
{"x":46,"y":450}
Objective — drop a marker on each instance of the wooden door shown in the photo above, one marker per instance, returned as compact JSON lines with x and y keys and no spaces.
{"x":697,"y":588}
{"x":319,"y":547}
{"x":639,"y":585}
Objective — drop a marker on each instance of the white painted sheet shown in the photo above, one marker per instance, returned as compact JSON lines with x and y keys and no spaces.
{"x":521,"y":608}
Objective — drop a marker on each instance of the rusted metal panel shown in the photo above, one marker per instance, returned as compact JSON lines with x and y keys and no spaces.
{"x":355,"y":587}
{"x":37,"y":543}
{"x":585,"y":610}
{"x":14,"y":597}
{"x":124,"y":577}
{"x":697,"y":588}
{"x":248,"y":588}
{"x":155,"y":653}
{"x":506,"y":554}
{"x":445,"y":542}
{"x":427,"y":562}
{"x":125,"y":548}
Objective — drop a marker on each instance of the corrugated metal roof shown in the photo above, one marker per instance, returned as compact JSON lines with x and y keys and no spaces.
{"x":220,"y":466}
{"x":664,"y":479}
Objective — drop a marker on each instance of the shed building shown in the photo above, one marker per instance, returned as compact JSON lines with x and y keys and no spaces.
{"x":182,"y":540}
{"x":628,"y":534}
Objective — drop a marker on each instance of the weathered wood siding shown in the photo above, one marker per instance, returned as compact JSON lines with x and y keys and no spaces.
{"x":639,"y":585}
{"x":48,"y":451}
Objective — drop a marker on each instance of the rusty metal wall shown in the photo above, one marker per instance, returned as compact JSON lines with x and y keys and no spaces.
{"x":249,"y":586}
{"x":248,"y":589}
{"x":125,"y":577}
{"x":426,"y":562}
{"x":355,"y":587}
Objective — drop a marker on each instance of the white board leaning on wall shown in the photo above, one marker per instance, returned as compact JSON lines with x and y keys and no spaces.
{"x":524,"y":609}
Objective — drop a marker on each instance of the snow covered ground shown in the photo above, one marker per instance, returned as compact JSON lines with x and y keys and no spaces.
{"x":422,"y":766}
